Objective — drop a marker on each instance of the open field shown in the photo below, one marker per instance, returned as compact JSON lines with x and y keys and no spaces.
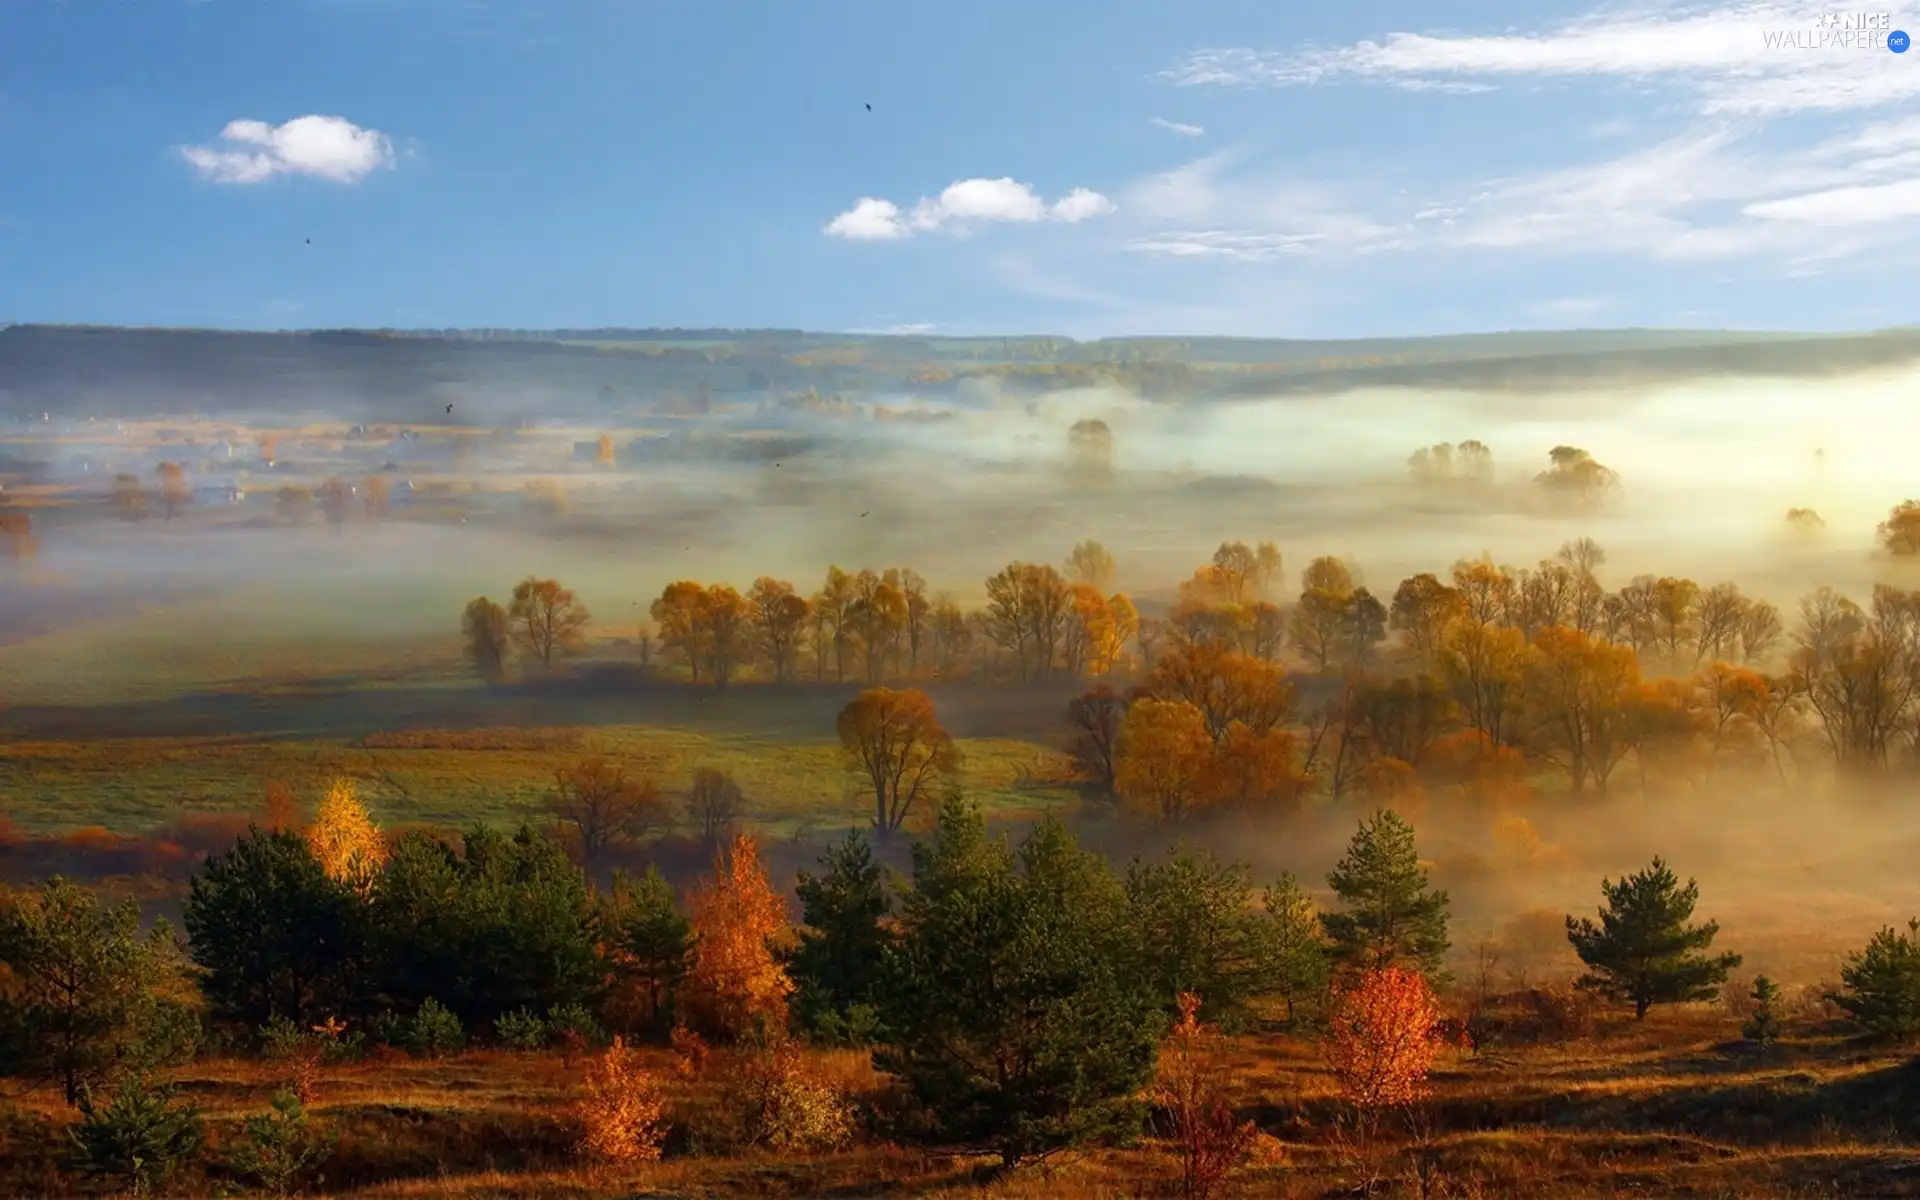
{"x":1671,"y":1108}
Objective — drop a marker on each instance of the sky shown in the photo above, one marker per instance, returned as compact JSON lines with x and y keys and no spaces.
{"x":1082,"y":168}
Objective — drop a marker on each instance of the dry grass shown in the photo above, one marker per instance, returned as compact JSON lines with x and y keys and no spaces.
{"x":1669,"y":1108}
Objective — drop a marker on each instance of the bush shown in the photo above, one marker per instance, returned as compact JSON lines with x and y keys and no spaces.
{"x":1763,"y":1023}
{"x":521,"y":1030}
{"x":1564,"y":1014}
{"x":139,"y":1137}
{"x":858,"y":1026}
{"x":434,"y":1031}
{"x":782,"y":1104}
{"x":1208,"y":1138}
{"x":573,"y":1023}
{"x":281,"y":1146}
{"x":621,"y":1110}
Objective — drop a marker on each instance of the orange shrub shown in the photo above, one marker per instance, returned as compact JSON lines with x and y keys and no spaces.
{"x":1383,"y":1037}
{"x":621,"y":1111}
{"x":737,"y":984}
{"x":1201,"y":1124}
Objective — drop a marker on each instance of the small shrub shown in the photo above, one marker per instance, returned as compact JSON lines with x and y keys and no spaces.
{"x":434,"y":1031}
{"x":281,"y":1146}
{"x":782,"y":1104}
{"x":139,"y":1137}
{"x":621,"y":1111}
{"x":1763,"y":1023}
{"x":692,"y":1050}
{"x":1382,"y":1038}
{"x":858,"y":1026}
{"x":521,"y":1030}
{"x":1565,"y":1014}
{"x":1200,"y":1122}
{"x":575,"y":1020}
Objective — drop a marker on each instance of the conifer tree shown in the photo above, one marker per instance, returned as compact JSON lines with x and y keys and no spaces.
{"x":1643,"y":950}
{"x":1293,"y":947}
{"x":1763,"y":1024}
{"x":1881,"y":984}
{"x":1200,"y":932}
{"x":836,"y":965}
{"x":649,"y":941}
{"x":1391,"y":918}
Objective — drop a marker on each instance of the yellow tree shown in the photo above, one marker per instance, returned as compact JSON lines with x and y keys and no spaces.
{"x":896,"y":743}
{"x":1580,"y":693}
{"x":737,"y":985}
{"x":546,"y":620}
{"x":1482,"y":666}
{"x":728,"y":618}
{"x":1165,"y":761}
{"x":779,"y":618}
{"x":374,"y":496}
{"x":683,"y":626}
{"x":1900,"y":532}
{"x":603,"y":450}
{"x":344,"y":838}
{"x":174,"y":491}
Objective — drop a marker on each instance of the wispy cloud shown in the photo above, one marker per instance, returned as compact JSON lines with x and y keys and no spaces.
{"x":962,"y":206}
{"x":1178,"y":127}
{"x":331,"y":148}
{"x":1729,"y":56}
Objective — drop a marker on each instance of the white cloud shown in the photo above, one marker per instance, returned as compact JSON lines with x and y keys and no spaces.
{"x":1720,"y":52}
{"x":332,"y":148}
{"x":1177,"y":127}
{"x":962,"y":205}
{"x":869,"y":220}
{"x":1846,"y":206}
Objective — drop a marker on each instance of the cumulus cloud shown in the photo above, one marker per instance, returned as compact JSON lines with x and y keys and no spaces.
{"x":963,"y":205}
{"x":1732,"y":57}
{"x":1177,"y":127}
{"x":331,"y":148}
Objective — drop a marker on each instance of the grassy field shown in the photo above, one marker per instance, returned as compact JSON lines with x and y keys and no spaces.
{"x":1677,"y":1107}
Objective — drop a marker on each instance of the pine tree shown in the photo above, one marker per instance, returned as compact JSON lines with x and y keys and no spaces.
{"x":1763,"y":1025}
{"x":1200,"y":932}
{"x":1391,"y":919}
{"x":281,"y":1145}
{"x":1012,"y":1013}
{"x":274,"y":935}
{"x":1293,"y":948}
{"x":139,"y":1136}
{"x":1643,"y":950}
{"x":1882,"y":983}
{"x":84,"y":994}
{"x":649,"y":940}
{"x":836,"y":965}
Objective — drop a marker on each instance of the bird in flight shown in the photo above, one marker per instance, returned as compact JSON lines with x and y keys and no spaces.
{"x":309,"y":241}
{"x":869,"y":108}
{"x":449,"y":408}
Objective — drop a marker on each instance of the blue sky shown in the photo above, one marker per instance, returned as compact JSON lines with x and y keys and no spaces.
{"x":1072,"y":167}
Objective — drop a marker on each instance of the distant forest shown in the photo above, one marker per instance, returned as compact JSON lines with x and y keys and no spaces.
{"x":97,"y":371}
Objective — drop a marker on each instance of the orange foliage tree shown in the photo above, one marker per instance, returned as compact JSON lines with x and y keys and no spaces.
{"x":737,"y":985}
{"x":1382,"y":1039}
{"x":1201,"y":1124}
{"x":621,"y":1111}
{"x":898,"y":746}
{"x":344,"y":838}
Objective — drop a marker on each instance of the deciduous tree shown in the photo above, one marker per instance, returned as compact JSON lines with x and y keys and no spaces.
{"x":601,"y":809}
{"x":737,"y":984}
{"x":895,"y":742}
{"x":779,"y":620}
{"x":547,"y":621}
{"x":345,"y":841}
{"x":484,"y":635}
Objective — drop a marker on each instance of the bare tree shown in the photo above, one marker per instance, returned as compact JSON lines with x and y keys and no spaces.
{"x":600,"y":809}
{"x":714,"y":806}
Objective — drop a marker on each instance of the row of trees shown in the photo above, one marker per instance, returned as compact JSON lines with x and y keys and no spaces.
{"x":1019,"y":994}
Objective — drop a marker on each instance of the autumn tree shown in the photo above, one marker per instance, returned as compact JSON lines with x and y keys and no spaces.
{"x":737,"y":984}
{"x":1165,"y":760}
{"x":1390,"y":916}
{"x":1484,"y":668}
{"x":621,"y":1110}
{"x":729,"y":632}
{"x":546,"y":620}
{"x":1580,"y":695}
{"x":1576,"y":473}
{"x":1026,"y":614}
{"x":714,"y":806}
{"x":293,"y":504}
{"x":779,"y":617}
{"x":484,"y":635}
{"x":85,"y":991}
{"x":679,"y":613}
{"x":1805,"y":523}
{"x":174,"y":489}
{"x":1320,"y":625}
{"x":601,"y":809}
{"x":1421,"y":610}
{"x":1095,"y":718}
{"x":895,"y":742}
{"x":1899,"y":534}
{"x":1643,"y":950}
{"x":1383,"y":1035}
{"x":345,"y":841}
{"x":603,"y":450}
{"x":878,"y":616}
{"x":1090,"y":563}
{"x":1208,"y":1138}
{"x":1228,"y":689}
{"x":16,"y":535}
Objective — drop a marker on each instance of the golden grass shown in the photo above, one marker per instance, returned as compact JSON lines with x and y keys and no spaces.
{"x":1668,"y":1108}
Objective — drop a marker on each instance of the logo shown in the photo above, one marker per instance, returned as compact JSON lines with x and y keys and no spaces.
{"x":1898,"y":41}
{"x":1841,"y":31}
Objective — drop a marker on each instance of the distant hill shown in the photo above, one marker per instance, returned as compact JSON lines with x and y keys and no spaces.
{"x":488,"y":374}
